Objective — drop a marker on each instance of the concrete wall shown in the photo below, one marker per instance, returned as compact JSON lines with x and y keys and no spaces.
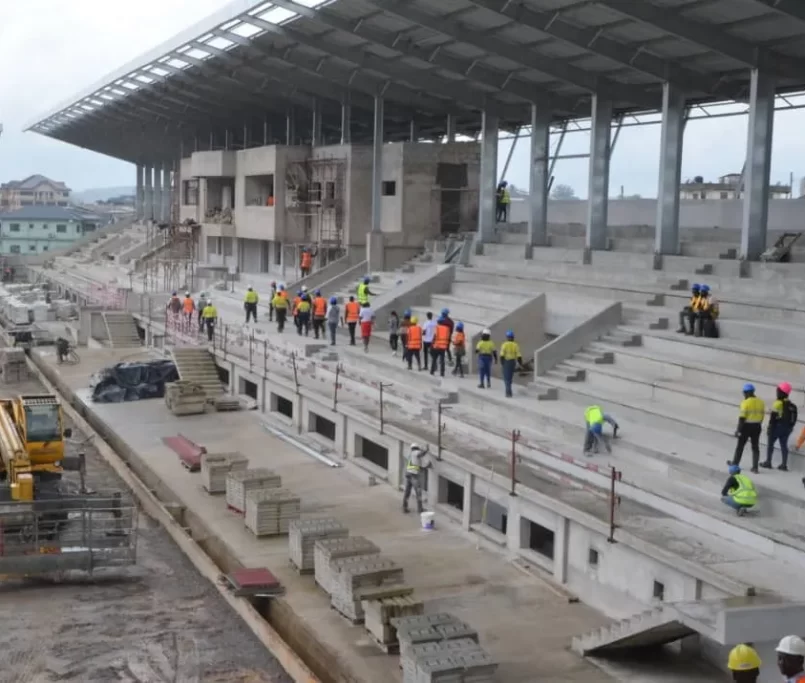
{"x":212,"y":164}
{"x":415,"y":291}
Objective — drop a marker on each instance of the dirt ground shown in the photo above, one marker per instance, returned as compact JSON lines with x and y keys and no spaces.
{"x":157,"y":622}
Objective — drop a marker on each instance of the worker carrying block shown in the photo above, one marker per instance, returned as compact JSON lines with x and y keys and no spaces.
{"x":594,"y":418}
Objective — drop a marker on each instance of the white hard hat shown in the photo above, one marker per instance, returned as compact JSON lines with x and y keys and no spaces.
{"x":792,"y":645}
{"x":486,"y":330}
{"x":249,"y":287}
{"x":187,"y":293}
{"x":415,"y":447}
{"x":304,"y":288}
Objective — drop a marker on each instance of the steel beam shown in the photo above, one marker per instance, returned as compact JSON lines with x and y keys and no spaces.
{"x":538,"y":177}
{"x":598,"y":194}
{"x":139,"y":207}
{"x":672,"y":134}
{"x":148,"y":201}
{"x":490,"y":128}
{"x":758,"y":166}
{"x":709,"y":36}
{"x":377,"y":167}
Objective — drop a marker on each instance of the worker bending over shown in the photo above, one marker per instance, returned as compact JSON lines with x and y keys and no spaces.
{"x":303,"y":315}
{"x":459,"y":349}
{"x":333,"y":316}
{"x":352,"y":314}
{"x":739,"y":492}
{"x":782,"y":420}
{"x":210,"y":316}
{"x":750,"y":423}
{"x":319,"y":314}
{"x":413,"y":347}
{"x":367,"y":318}
{"x":744,"y":663}
{"x":594,"y":418}
{"x":440,"y":345}
{"x":510,"y":358}
{"x":415,"y":466}
{"x":791,"y":659}
{"x":688,"y":313}
{"x":280,"y":306}
{"x":250,"y":304}
{"x":363,"y":291}
{"x":487,"y":354}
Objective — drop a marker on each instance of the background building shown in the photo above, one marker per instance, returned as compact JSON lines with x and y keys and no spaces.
{"x":728,"y":187}
{"x":35,"y":190}
{"x":37,"y":229}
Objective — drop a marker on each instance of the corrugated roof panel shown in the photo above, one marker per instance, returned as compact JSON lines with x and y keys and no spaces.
{"x":592,"y":15}
{"x":557,"y":49}
{"x":519,"y":34}
{"x":633,"y":32}
{"x":769,"y":28}
{"x":726,"y":10}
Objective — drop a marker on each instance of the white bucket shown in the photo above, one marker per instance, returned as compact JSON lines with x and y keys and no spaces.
{"x":428,"y":520}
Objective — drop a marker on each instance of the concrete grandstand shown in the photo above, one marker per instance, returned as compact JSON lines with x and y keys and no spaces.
{"x":291,"y":123}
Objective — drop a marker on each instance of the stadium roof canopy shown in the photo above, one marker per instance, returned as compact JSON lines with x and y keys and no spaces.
{"x":233,"y":77}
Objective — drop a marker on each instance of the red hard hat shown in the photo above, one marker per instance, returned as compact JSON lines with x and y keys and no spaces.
{"x":785,"y":387}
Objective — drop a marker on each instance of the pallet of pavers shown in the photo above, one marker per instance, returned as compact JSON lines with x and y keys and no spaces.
{"x":331,"y":549}
{"x":355,"y":579}
{"x":430,"y":628}
{"x":240,"y":482}
{"x":452,"y":661}
{"x":215,"y":467}
{"x":302,"y":537}
{"x":378,"y":614}
{"x":270,"y":511}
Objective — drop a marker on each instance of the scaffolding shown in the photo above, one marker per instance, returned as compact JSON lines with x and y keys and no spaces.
{"x":170,"y":259}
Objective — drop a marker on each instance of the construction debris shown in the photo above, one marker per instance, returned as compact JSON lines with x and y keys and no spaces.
{"x":216,"y":466}
{"x":227,"y":403}
{"x":302,"y":537}
{"x":185,"y":398}
{"x":354,"y":579}
{"x":331,"y":549}
{"x":240,"y":482}
{"x":270,"y":511}
{"x":379,"y":613}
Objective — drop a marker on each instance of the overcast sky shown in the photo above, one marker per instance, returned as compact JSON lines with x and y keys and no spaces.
{"x":52,"y":49}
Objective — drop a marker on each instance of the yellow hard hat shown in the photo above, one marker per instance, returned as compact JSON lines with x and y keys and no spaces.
{"x":414,"y":320}
{"x":743,"y":658}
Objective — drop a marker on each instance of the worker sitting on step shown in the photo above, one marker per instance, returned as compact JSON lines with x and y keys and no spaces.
{"x":319,"y":314}
{"x":413,"y":344}
{"x":440,"y":345}
{"x":510,"y":358}
{"x":459,"y":349}
{"x":744,"y":663}
{"x":687,"y":316}
{"x":487,"y":353}
{"x":210,"y":316}
{"x":188,"y":307}
{"x":594,"y":418}
{"x":352,"y":314}
{"x":250,"y":304}
{"x":415,"y":467}
{"x":739,"y":491}
{"x":303,"y":310}
{"x":280,"y":304}
{"x":706,"y":315}
{"x":791,"y":659}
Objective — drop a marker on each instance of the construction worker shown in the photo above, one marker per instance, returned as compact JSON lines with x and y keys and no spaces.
{"x":688,"y":314}
{"x":333,"y":316}
{"x":319,"y":314}
{"x":280,"y":305}
{"x":707,"y":314}
{"x":791,"y":659}
{"x":782,"y":420}
{"x":445,"y":315}
{"x":394,"y":332}
{"x":510,"y":358}
{"x":367,"y":319}
{"x":188,"y":307}
{"x":459,"y":349}
{"x":750,"y":424}
{"x":174,"y":304}
{"x":503,"y":201}
{"x":250,"y":304}
{"x":271,"y":301}
{"x":363,"y":291}
{"x":739,"y":491}
{"x":414,"y":467}
{"x":440,"y":345}
{"x":303,"y":309}
{"x":428,"y":333}
{"x":352,"y":314}
{"x":487,"y":353}
{"x":404,"y":325}
{"x":413,"y":344}
{"x":202,"y":303}
{"x":594,"y":430}
{"x":744,"y":663}
{"x":210,"y":317}
{"x":305,"y":262}
{"x":295,"y":309}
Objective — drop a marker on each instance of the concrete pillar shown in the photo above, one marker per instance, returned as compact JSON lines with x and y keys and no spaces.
{"x":377,"y":165}
{"x":148,"y":195}
{"x":138,"y":202}
{"x":672,"y":135}
{"x":451,"y":128}
{"x":167,"y":192}
{"x":598,"y":194}
{"x":560,"y":550}
{"x":157,"y":192}
{"x":315,"y":140}
{"x":265,"y":131}
{"x":538,"y":178}
{"x":758,"y":166}
{"x":227,"y":139}
{"x":226,"y":197}
{"x":413,"y":134}
{"x":488,"y":180}
{"x":346,"y":124}
{"x":290,"y":133}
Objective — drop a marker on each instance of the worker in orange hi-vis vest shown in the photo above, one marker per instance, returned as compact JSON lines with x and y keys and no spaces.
{"x":188,"y":306}
{"x":319,"y":313}
{"x":352,"y":313}
{"x":306,"y":261}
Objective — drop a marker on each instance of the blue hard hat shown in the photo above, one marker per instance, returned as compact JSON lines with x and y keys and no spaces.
{"x":299,"y":293}
{"x":597,"y":428}
{"x":282,"y":285}
{"x":333,"y":300}
{"x":734,"y":469}
{"x":748,"y":387}
{"x":367,"y":280}
{"x":695,"y":288}
{"x":509,"y":334}
{"x":704,"y":288}
{"x":407,"y":313}
{"x":317,"y":292}
{"x":459,"y":326}
{"x":445,"y":312}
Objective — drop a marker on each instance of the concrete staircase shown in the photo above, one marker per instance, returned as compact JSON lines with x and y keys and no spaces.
{"x":198,"y":366}
{"x":121,"y":329}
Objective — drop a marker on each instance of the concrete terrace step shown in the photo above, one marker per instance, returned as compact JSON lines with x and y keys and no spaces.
{"x":198,"y":365}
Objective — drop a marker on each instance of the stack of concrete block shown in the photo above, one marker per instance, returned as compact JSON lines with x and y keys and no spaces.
{"x":430,"y":628}
{"x":240,"y":482}
{"x":270,"y":511}
{"x":302,"y":537}
{"x":354,"y":579}
{"x":185,"y":398}
{"x":332,"y":549}
{"x":13,"y":364}
{"x":453,"y":661}
{"x":378,"y":615}
{"x":215,"y":467}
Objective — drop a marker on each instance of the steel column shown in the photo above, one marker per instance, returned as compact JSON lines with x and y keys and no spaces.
{"x":377,"y":165}
{"x":413,"y":133}
{"x":157,"y":192}
{"x":538,"y":176}
{"x":346,"y":124}
{"x":290,"y":133}
{"x":488,"y":180}
{"x":758,"y":166}
{"x":265,"y":132}
{"x":140,"y":192}
{"x":167,"y":192}
{"x":148,"y":196}
{"x":315,"y":138}
{"x":598,"y":193}
{"x":451,"y":128}
{"x":672,"y":135}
